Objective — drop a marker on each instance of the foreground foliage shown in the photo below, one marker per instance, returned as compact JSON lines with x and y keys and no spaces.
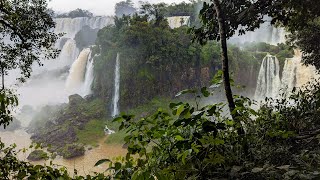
{"x":194,"y":142}
{"x":202,"y":143}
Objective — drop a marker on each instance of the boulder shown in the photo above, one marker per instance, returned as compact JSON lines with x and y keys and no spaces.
{"x":73,"y":150}
{"x":37,"y":155}
{"x":75,"y":99}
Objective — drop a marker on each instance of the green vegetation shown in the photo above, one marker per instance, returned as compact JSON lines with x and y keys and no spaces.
{"x":281,"y":138}
{"x":26,"y":24}
{"x":116,"y":138}
{"x":158,"y":61}
{"x":79,"y":121}
{"x":92,"y":133}
{"x":124,"y":8}
{"x":75,"y":13}
{"x":140,"y":111}
{"x":201,"y":143}
{"x":73,"y":150}
{"x":37,"y":155}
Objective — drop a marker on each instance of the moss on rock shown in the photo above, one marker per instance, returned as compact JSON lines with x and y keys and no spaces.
{"x":73,"y":150}
{"x":37,"y":155}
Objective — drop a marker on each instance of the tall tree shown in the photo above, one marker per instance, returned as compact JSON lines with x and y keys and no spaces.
{"x":221,"y":20}
{"x":124,"y":8}
{"x":26,"y":37}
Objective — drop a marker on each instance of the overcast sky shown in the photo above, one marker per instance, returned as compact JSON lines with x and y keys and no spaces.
{"x":98,"y":7}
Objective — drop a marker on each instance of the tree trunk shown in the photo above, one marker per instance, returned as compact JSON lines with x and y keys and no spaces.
{"x":197,"y":77}
{"x":224,"y":56}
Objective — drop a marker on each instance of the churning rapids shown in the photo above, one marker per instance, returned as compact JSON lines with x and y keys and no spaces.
{"x":72,"y":72}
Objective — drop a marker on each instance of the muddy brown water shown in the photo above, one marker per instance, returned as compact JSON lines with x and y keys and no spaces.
{"x":83,"y":164}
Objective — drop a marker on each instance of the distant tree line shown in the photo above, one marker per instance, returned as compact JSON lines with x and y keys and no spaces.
{"x":75,"y":13}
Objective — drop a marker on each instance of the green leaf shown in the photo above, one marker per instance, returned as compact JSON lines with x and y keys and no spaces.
{"x":179,"y":138}
{"x":101,"y":161}
{"x":205,"y":92}
{"x":187,"y":91}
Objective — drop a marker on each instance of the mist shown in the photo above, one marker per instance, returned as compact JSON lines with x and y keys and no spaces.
{"x":98,"y":7}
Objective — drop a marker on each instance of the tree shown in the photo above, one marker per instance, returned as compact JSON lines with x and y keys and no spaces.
{"x":76,"y":13}
{"x":26,"y":38}
{"x":221,"y":20}
{"x":303,"y":23}
{"x":154,"y":11}
{"x":124,"y":8}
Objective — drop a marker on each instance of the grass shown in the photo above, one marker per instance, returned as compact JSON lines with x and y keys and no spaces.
{"x":92,"y":133}
{"x":139,"y":111}
{"x":151,"y":107}
{"x":116,"y":138}
{"x":93,"y":130}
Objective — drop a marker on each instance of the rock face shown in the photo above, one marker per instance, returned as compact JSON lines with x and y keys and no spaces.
{"x":37,"y":155}
{"x":73,"y":150}
{"x":57,"y":127}
{"x":75,"y":99}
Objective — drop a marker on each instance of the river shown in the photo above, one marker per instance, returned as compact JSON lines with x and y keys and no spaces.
{"x":83,"y":164}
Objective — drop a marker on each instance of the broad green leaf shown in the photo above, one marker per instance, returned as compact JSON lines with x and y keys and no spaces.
{"x":101,"y":161}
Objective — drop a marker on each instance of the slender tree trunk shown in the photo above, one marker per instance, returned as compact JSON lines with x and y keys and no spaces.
{"x":197,"y":77}
{"x":226,"y":78}
{"x":2,"y":76}
{"x":224,"y":56}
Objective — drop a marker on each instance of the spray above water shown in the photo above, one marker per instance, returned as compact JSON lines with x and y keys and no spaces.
{"x":116,"y":95}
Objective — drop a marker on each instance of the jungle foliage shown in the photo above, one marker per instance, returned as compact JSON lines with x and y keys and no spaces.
{"x":281,"y":139}
{"x":158,"y":61}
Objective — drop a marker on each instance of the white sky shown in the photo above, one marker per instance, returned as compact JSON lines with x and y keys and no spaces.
{"x":98,"y":7}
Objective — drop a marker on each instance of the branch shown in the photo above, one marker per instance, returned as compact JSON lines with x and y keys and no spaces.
{"x":301,"y":137}
{"x":15,"y":30}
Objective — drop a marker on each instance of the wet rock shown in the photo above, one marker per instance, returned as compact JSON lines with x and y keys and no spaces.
{"x":75,"y":99}
{"x":37,"y":155}
{"x":73,"y":150}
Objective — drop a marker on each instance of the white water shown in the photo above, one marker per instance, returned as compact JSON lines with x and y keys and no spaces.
{"x":177,"y":21}
{"x":76,"y":76}
{"x":116,"y":95}
{"x":74,"y":25}
{"x":295,"y":74}
{"x":45,"y":87}
{"x":86,"y":89}
{"x":268,"y":84}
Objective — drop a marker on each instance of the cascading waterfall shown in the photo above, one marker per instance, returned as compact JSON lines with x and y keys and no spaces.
{"x":268,"y":84}
{"x":88,"y":77}
{"x":116,"y":95}
{"x":70,"y":26}
{"x":37,"y":91}
{"x":77,"y":72}
{"x":177,"y":21}
{"x":295,"y":74}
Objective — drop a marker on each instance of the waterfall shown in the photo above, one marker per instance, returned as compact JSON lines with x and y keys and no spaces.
{"x":88,"y":77}
{"x":295,"y":74}
{"x":177,"y":21}
{"x":70,"y":26}
{"x":53,"y":82}
{"x":268,"y":84}
{"x":77,"y":72}
{"x":116,"y":95}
